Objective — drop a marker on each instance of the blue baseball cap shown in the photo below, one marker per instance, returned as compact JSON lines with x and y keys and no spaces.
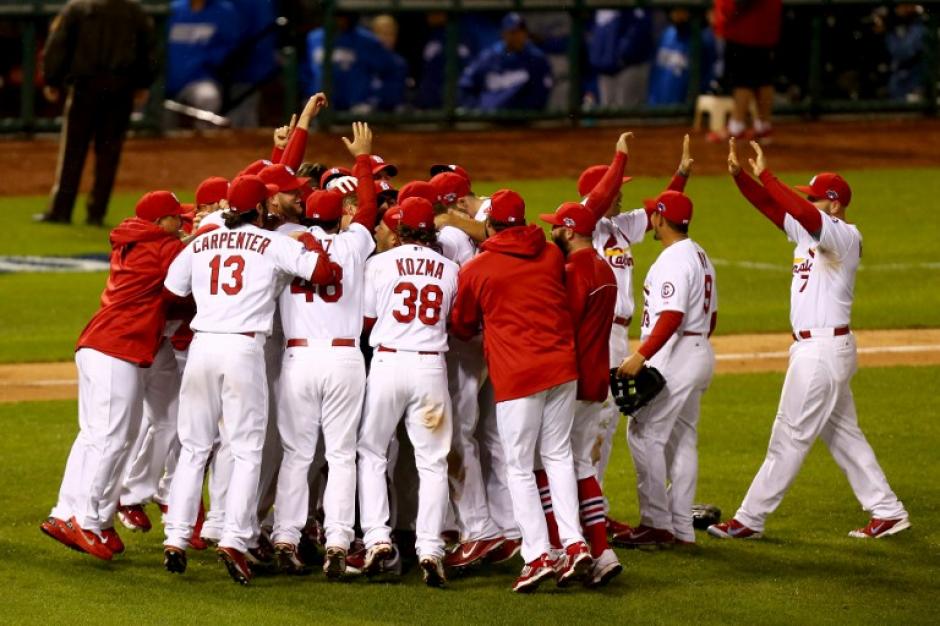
{"x":512,"y":21}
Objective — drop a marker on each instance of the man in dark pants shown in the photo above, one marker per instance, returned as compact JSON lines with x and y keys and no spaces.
{"x":102,"y":55}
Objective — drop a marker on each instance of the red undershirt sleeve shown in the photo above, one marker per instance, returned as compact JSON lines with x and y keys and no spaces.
{"x":296,"y":147}
{"x":760,"y":198}
{"x":713,"y":324}
{"x":677,"y":183}
{"x":666,"y":326}
{"x":367,"y":209}
{"x":800,"y":209}
{"x":602,"y":196}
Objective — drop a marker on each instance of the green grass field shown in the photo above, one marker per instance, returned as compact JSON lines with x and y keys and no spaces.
{"x":898,"y":286}
{"x":806,"y":571}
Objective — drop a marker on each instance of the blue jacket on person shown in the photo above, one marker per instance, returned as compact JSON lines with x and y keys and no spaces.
{"x":259,"y":59}
{"x":364,"y":71}
{"x":198,"y":42}
{"x":619,"y":39}
{"x":669,"y":76}
{"x":430,"y":92}
{"x":500,"y":79}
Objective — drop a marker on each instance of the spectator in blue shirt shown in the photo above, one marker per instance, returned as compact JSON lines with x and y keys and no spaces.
{"x":360,"y":65}
{"x":390,"y":89}
{"x":906,"y":41}
{"x":202,"y":34}
{"x":430,"y":92}
{"x":255,"y":60}
{"x":620,"y":47}
{"x":669,"y":78}
{"x":512,"y":74}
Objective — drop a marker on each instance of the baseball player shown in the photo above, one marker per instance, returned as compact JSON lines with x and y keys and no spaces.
{"x":232,"y":273}
{"x":614,"y":234}
{"x":408,"y":292}
{"x":515,"y":288}
{"x":816,"y":400}
{"x":592,"y":296}
{"x":120,"y":339}
{"x":679,"y":314}
{"x":323,"y":376}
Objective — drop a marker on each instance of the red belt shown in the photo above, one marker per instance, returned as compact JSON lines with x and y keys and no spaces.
{"x":337,"y":343}
{"x":623,"y":321}
{"x":688,"y":334}
{"x":247,"y":334}
{"x":807,"y":334}
{"x":384,"y":349}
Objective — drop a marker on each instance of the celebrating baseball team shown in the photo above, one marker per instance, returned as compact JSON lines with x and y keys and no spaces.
{"x":358,"y":375}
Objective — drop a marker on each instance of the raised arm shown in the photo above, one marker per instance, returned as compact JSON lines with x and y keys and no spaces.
{"x":360,"y":148}
{"x":752,"y":191}
{"x":681,"y":177}
{"x":297,"y":143}
{"x":602,"y":196}
{"x":800,"y":209}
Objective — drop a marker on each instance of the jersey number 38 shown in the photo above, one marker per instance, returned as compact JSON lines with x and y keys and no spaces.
{"x":426,"y":304}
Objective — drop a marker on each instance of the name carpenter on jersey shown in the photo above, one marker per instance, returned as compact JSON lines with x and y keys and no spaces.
{"x":233,"y":241}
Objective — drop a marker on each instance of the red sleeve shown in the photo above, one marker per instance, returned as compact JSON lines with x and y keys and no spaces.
{"x":367,"y":210}
{"x":171,"y":298}
{"x":602,"y":196}
{"x":800,"y":209}
{"x":296,"y":147}
{"x":758,"y":196}
{"x":276,"y":154}
{"x":677,"y":183}
{"x":713,"y":324}
{"x":577,"y":295}
{"x":465,"y":316}
{"x":666,"y":326}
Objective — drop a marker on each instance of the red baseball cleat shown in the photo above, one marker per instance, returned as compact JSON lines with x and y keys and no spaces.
{"x":509,"y":549}
{"x":87,"y":541}
{"x":645,"y":537}
{"x":617,"y":528}
{"x":236,"y":565}
{"x":878,"y":528}
{"x":112,"y":540}
{"x":472,"y":552}
{"x":533,"y":574}
{"x":56,"y":528}
{"x":575,"y":564}
{"x":733,"y":529}
{"x":134,"y":517}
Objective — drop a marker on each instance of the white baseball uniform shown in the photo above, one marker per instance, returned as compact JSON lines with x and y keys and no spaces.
{"x":663,"y":435}
{"x":613,"y":237}
{"x":322,"y":386}
{"x":233,"y":275}
{"x":409,"y":290}
{"x":816,"y":399}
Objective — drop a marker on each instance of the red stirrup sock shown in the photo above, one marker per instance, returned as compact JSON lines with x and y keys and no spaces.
{"x":593,"y":519}
{"x":541,"y":481}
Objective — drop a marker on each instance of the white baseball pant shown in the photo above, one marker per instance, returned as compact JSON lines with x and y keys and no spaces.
{"x":413,"y":385}
{"x":609,"y":417}
{"x":586,"y":438}
{"x":271,"y":452}
{"x":321,"y":387}
{"x":109,"y":415}
{"x":161,"y":385}
{"x":493,"y":464}
{"x":817,"y":401}
{"x":224,"y":378}
{"x":663,"y":436}
{"x":541,"y":423}
{"x":220,"y":474}
{"x":466,"y":370}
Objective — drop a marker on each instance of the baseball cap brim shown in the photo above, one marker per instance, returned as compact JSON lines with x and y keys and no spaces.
{"x":551,"y":218}
{"x":385,"y":167}
{"x":804,"y":189}
{"x":272,"y":190}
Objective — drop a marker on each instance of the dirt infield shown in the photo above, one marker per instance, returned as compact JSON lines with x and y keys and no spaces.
{"x":182,"y":162}
{"x":735,"y":354}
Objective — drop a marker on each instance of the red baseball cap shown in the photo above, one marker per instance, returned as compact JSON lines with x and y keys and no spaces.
{"x":450,"y":186}
{"x":417,"y":213}
{"x":828,"y":185}
{"x":156,"y":204}
{"x":675,"y":206}
{"x":573,"y":215}
{"x":418,"y":189}
{"x":593,"y":175}
{"x":211,"y":190}
{"x":255,"y":167}
{"x":333,"y":172}
{"x":326,"y":206}
{"x":282,"y":177}
{"x":379,"y":165}
{"x":453,"y":167}
{"x":507,"y":207}
{"x":247,"y":192}
{"x":392,"y":217}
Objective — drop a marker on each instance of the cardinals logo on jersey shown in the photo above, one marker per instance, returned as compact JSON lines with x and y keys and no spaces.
{"x":618,"y":257}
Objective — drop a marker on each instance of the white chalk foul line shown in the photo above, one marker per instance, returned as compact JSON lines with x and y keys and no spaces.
{"x":758,"y":356}
{"x":38,"y":383}
{"x":782,"y":267}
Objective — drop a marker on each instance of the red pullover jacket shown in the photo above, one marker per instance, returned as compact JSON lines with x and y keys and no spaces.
{"x":592,"y":296}
{"x":515,"y":290}
{"x":130,"y":322}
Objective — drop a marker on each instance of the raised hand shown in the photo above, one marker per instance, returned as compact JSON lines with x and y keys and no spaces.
{"x":282,"y":134}
{"x":362,"y":140}
{"x":622,"y":142}
{"x":316,"y":103}
{"x":734,"y":166}
{"x":759,"y":163}
{"x":685,"y":165}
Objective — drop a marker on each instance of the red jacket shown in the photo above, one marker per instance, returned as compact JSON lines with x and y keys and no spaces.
{"x":515,"y":289}
{"x":749,"y":22}
{"x":130,"y":322}
{"x":592,"y":296}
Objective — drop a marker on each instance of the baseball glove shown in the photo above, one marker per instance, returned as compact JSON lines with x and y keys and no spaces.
{"x":704,"y":515}
{"x":632,"y":394}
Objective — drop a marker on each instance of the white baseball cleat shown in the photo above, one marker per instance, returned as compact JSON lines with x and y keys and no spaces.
{"x":606,"y":567}
{"x":733,"y":529}
{"x":432,"y":569}
{"x":878,"y":528}
{"x":375,"y":556}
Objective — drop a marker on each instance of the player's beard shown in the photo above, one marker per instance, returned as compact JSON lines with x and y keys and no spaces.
{"x":561,"y":242}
